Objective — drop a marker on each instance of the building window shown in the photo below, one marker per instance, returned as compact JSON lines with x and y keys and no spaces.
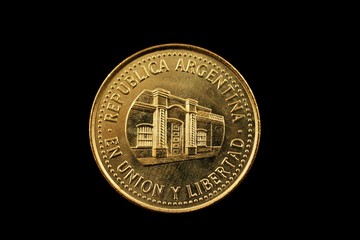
{"x":201,"y":137}
{"x":144,"y":135}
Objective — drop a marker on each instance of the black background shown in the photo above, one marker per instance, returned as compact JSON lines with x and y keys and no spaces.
{"x":63,"y":59}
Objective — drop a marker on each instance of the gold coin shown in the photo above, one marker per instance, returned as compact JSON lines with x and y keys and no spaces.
{"x":174,"y":128}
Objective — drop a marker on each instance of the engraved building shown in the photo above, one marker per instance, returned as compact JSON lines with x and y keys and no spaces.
{"x":163,"y":126}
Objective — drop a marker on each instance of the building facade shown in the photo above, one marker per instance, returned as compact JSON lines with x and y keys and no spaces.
{"x":161,"y":125}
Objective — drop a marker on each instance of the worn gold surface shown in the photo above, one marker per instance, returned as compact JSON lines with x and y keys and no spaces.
{"x":174,"y":128}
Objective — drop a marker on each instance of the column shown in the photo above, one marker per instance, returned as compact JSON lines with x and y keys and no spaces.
{"x":190,"y":127}
{"x":160,"y":121}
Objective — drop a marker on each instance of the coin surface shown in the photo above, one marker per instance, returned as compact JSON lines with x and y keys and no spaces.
{"x":174,"y":128}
